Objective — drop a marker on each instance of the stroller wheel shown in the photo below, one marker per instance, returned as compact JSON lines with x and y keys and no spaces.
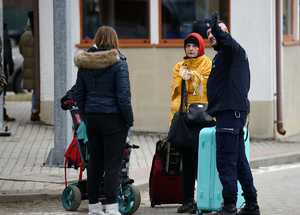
{"x":129,"y":199}
{"x":71,"y":198}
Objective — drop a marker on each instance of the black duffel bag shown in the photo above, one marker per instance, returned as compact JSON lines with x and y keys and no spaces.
{"x":185,"y":125}
{"x":180,"y":134}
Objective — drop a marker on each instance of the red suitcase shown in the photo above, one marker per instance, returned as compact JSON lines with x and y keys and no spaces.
{"x":165,"y":183}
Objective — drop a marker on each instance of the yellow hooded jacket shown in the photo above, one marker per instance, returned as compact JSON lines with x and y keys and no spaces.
{"x":196,"y":89}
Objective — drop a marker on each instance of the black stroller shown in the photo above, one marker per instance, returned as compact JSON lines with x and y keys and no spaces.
{"x":76,"y":156}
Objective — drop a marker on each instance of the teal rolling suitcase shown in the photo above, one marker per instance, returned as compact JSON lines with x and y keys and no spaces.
{"x":209,"y":188}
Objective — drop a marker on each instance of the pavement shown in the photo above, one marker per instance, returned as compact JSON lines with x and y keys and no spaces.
{"x":24,"y":175}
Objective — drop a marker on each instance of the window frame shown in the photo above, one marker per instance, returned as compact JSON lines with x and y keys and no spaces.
{"x":294,"y":37}
{"x":163,"y":42}
{"x":123,"y":43}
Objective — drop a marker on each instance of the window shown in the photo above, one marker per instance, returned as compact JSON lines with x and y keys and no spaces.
{"x":130,"y":18}
{"x":177,"y":16}
{"x":290,"y":20}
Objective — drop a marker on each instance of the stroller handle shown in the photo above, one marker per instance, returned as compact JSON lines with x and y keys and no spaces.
{"x":132,"y":146}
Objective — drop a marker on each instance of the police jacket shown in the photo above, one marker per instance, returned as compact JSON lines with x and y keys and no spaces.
{"x":102,"y":84}
{"x":229,"y":80}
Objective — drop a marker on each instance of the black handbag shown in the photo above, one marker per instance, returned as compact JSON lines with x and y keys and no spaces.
{"x":197,"y":116}
{"x":179,"y":133}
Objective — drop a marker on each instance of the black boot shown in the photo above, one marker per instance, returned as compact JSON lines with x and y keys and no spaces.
{"x":227,"y":210}
{"x":188,"y":207}
{"x":250,"y":209}
{"x":6,"y":117}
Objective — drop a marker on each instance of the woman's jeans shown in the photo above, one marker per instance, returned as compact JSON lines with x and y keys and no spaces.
{"x":34,"y":102}
{"x":107,"y":137}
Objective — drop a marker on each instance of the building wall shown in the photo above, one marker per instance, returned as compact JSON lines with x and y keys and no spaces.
{"x":253,"y":25}
{"x":150,"y":69}
{"x":151,"y":98}
{"x":47,"y":52}
{"x":151,"y":79}
{"x":291,"y":98}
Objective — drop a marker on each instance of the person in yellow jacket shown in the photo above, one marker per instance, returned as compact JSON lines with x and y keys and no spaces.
{"x":194,"y":69}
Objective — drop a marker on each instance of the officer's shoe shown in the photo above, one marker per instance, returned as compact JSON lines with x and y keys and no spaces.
{"x":250,"y":209}
{"x":188,"y":207}
{"x":227,"y":210}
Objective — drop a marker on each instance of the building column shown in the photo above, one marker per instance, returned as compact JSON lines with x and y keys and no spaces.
{"x":66,"y":28}
{"x":56,"y":156}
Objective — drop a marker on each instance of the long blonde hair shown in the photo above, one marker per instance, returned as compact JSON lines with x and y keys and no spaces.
{"x":106,"y":38}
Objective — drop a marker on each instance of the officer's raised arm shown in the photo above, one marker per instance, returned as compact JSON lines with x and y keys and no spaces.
{"x":221,"y":34}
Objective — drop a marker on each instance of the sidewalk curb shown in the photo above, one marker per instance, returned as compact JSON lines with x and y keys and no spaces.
{"x":275,"y":160}
{"x":29,"y":197}
{"x":49,"y":195}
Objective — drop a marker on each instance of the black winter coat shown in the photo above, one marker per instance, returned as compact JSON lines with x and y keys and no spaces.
{"x":102,"y":84}
{"x":229,"y":81}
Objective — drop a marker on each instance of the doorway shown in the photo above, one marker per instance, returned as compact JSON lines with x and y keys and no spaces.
{"x":24,"y":76}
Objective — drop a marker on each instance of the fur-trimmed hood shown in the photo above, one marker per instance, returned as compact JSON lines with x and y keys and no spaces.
{"x":96,"y":59}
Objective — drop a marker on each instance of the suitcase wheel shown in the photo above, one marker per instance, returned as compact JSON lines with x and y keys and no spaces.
{"x":71,"y":198}
{"x":129,"y":199}
{"x":199,"y":212}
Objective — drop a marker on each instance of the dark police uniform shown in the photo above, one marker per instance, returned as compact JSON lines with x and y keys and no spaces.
{"x":227,"y":91}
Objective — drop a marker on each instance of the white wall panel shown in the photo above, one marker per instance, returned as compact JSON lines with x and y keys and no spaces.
{"x":154,"y":23}
{"x":46,"y":49}
{"x":253,"y":25}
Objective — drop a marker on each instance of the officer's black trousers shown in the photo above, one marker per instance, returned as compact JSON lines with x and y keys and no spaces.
{"x":232,"y":163}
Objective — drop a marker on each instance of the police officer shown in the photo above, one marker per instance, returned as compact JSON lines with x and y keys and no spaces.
{"x":227,"y":92}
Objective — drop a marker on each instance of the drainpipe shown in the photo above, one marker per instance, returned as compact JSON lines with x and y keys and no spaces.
{"x":279,"y":120}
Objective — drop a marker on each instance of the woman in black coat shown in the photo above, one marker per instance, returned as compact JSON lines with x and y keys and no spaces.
{"x":103,"y":95}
